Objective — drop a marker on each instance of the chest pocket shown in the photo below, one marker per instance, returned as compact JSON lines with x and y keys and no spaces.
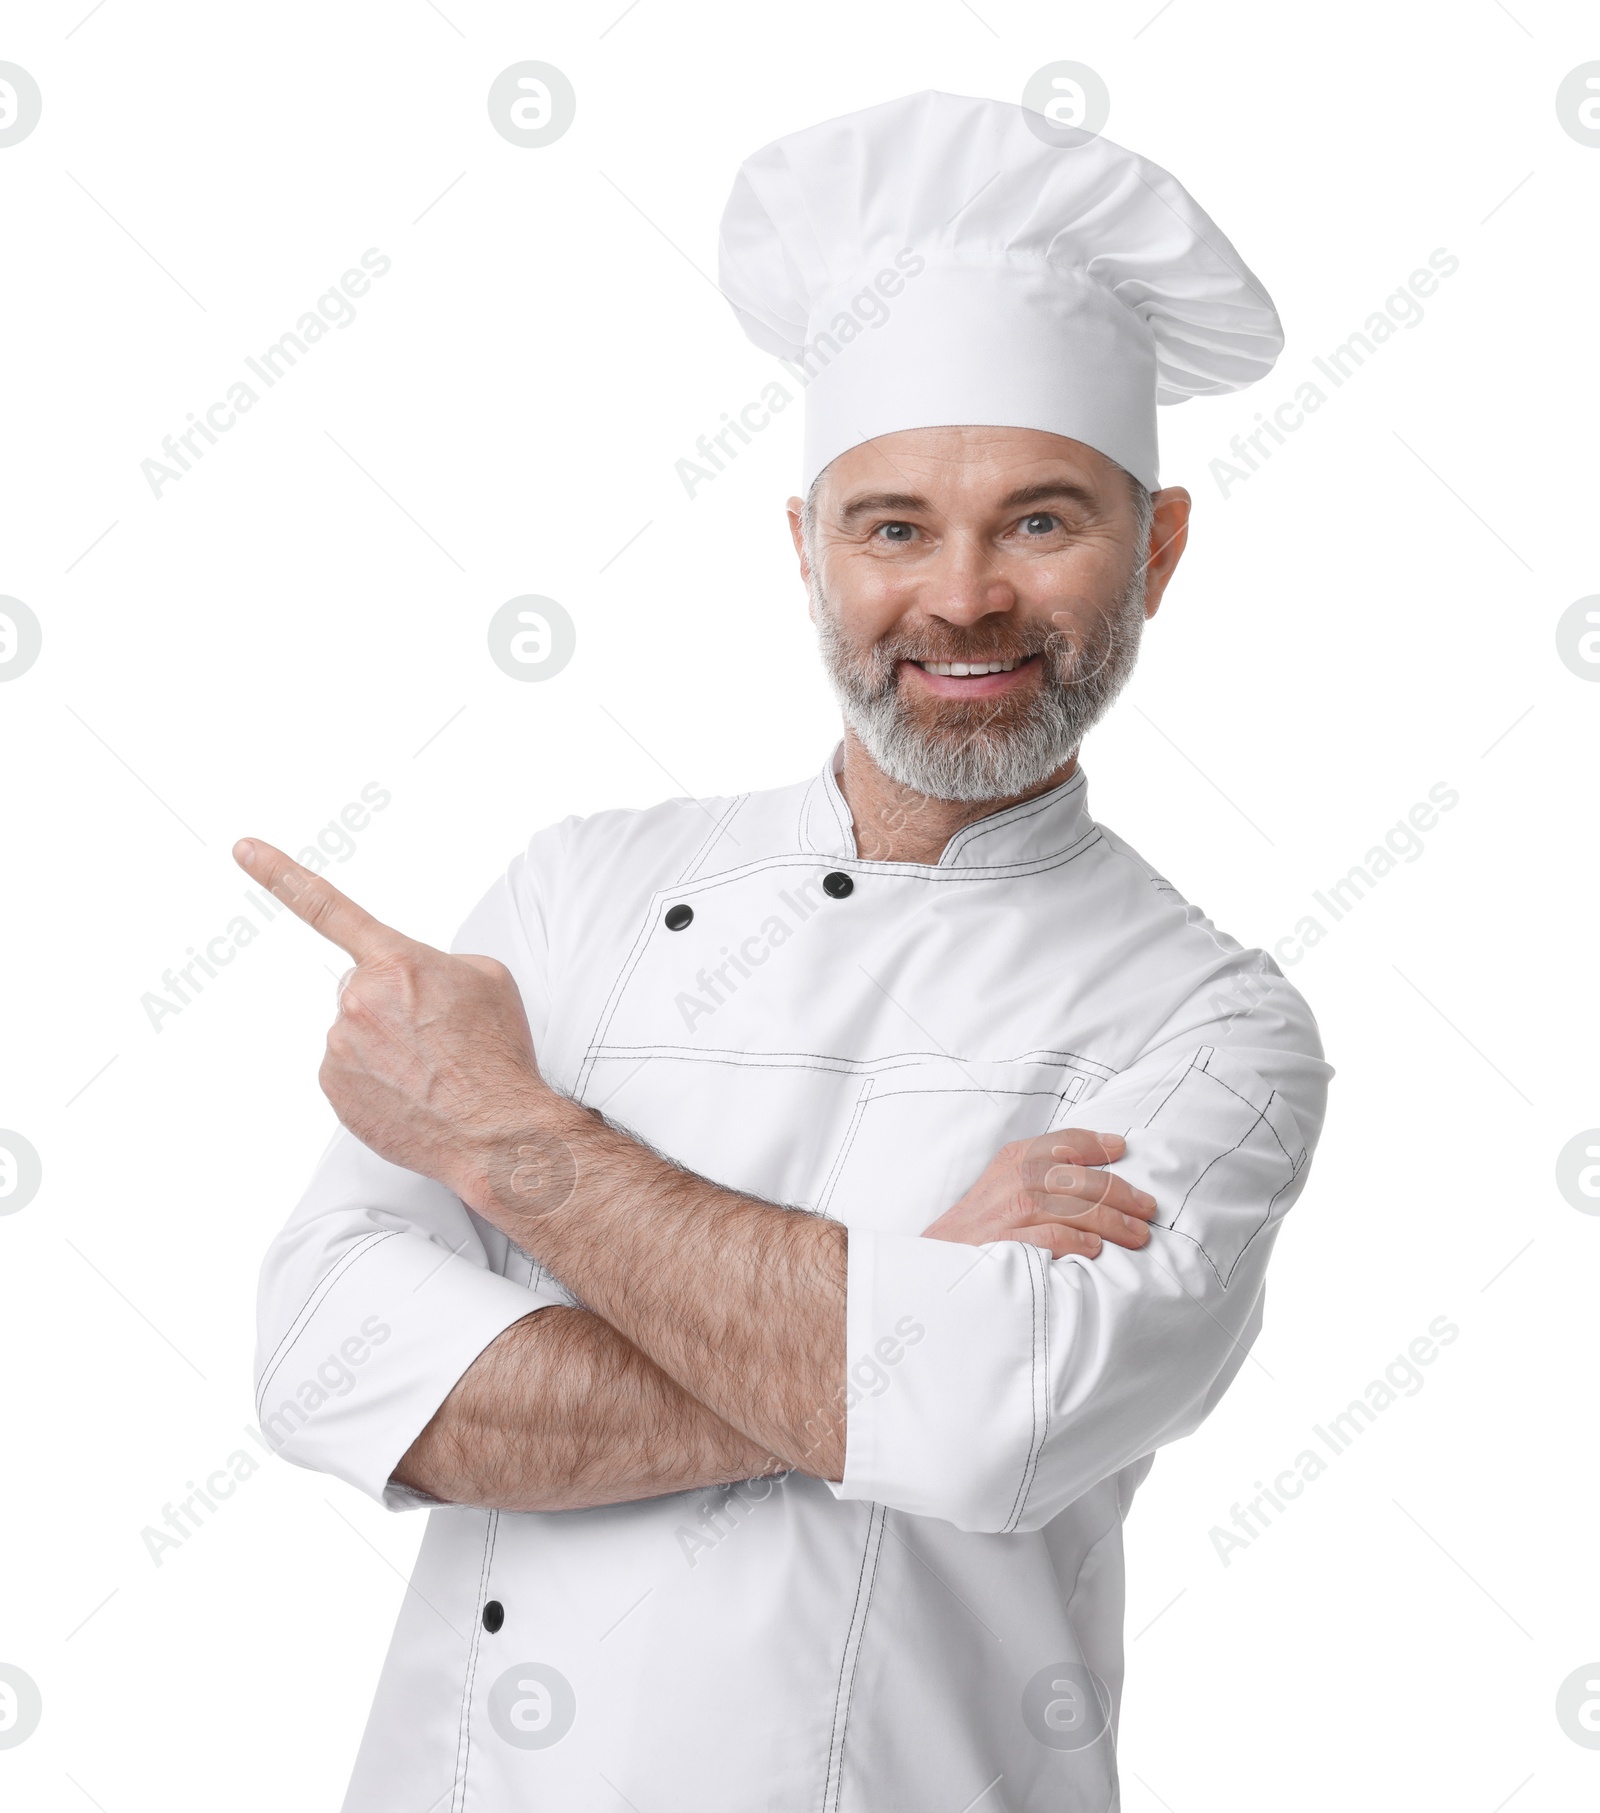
{"x":922,"y":1133}
{"x":887,"y":1145}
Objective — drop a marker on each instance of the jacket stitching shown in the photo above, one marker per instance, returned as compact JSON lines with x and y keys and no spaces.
{"x":463,"y":1738}
{"x":1035,"y":1438}
{"x":836,"y":805}
{"x":1173,"y":1228}
{"x":891,"y":1095}
{"x":1193,"y":1064}
{"x":923,"y":871}
{"x":1266,"y":1218}
{"x":904,"y":1059}
{"x":1046,"y":1394}
{"x":1071,"y":792}
{"x":1272,"y":1096}
{"x":861,"y":1636}
{"x":1216,"y":1159}
{"x":844,"y":1658}
{"x":1201,"y":1061}
{"x":718,"y":831}
{"x":917,"y":871}
{"x":827,"y":1068}
{"x":803,"y":835}
{"x":631,"y":962}
{"x":833,"y":1782}
{"x":849,"y":1141}
{"x":319,"y":1291}
{"x":614,"y":1000}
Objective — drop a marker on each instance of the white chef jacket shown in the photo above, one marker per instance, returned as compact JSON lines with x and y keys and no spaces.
{"x":946,"y":1622}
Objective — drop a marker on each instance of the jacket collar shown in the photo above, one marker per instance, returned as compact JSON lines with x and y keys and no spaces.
{"x":1034,"y":831}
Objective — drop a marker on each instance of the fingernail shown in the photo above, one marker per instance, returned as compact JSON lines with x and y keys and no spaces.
{"x":244,"y":849}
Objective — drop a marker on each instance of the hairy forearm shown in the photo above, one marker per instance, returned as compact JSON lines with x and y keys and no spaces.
{"x":740,"y":1302}
{"x":559,"y":1413}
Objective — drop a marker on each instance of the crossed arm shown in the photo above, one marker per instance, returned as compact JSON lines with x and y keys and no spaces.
{"x":560,"y":1413}
{"x":711,"y":1347}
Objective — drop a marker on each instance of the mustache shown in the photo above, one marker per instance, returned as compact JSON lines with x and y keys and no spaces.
{"x":1065,"y":640}
{"x":890,"y":654}
{"x":1073,"y":656}
{"x":914,"y":645}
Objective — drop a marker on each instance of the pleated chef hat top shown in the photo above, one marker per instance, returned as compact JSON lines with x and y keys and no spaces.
{"x":933,"y":260}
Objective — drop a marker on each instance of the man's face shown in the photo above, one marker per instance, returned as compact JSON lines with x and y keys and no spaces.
{"x":1007,"y":550}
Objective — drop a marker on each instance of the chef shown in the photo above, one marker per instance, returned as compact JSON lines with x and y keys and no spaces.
{"x":775,"y":1242}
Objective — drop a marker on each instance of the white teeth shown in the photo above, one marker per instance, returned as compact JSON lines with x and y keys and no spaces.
{"x":963,"y":668}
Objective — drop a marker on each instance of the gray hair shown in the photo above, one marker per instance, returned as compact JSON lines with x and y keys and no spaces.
{"x":1144,"y":513}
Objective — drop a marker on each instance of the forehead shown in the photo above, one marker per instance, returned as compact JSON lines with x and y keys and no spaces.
{"x":962,"y":468}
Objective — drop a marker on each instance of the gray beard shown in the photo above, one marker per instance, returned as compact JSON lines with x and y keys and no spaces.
{"x":984,"y":750}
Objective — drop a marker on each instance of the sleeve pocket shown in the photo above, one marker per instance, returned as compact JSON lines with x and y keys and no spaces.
{"x":1250,"y":1154}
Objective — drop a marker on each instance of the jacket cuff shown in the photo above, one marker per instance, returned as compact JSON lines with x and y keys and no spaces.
{"x":392,"y":1325}
{"x":946,"y":1401}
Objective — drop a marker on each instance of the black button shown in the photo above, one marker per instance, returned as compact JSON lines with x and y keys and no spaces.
{"x":838,"y":885}
{"x":494,"y":1615}
{"x":679,"y":916}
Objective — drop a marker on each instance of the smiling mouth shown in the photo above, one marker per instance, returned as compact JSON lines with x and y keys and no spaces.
{"x":973,"y":679}
{"x":962,"y":669}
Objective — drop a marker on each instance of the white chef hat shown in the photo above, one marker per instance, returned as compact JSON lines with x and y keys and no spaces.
{"x":935,"y":260}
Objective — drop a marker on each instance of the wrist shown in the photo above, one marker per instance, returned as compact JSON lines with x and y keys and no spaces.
{"x":525,"y":1165}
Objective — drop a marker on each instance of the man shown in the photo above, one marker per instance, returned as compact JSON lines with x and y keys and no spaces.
{"x":779,"y":1238}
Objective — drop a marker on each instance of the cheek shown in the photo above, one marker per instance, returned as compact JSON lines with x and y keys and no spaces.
{"x":872,"y":590}
{"x":1074,"y":598}
{"x":1083,"y":579}
{"x":868,"y":597}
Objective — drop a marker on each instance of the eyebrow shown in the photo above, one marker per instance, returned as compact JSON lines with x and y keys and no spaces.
{"x":873,"y":502}
{"x":1052,"y":488}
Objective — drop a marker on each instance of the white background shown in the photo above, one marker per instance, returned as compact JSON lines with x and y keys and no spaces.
{"x":1371,"y":613}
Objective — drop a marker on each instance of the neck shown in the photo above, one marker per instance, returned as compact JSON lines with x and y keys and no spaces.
{"x":896,"y":824}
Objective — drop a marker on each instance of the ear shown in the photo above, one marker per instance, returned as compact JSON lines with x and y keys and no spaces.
{"x":795,"y":506}
{"x":1169,"y":536}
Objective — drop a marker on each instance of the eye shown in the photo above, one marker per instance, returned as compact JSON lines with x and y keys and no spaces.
{"x":898,"y":532}
{"x":1040,"y":523}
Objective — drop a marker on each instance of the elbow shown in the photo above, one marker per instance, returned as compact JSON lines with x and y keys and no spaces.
{"x":1006,"y":1478}
{"x":1004,"y":1502}
{"x":983,"y":1486}
{"x":1008,"y":1501}
{"x":1041,"y":1509}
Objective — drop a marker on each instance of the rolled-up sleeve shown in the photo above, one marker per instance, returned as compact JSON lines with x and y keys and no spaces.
{"x":383,"y":1287}
{"x":1016,"y":1382}
{"x":373,"y":1302}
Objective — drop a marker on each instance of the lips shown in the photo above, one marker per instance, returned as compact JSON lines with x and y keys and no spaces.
{"x":971,"y":679}
{"x":961,"y":668}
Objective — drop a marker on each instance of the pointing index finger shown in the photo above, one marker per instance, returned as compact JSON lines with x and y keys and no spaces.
{"x":317,"y":902}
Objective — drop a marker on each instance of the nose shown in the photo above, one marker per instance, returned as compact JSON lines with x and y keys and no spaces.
{"x":966,"y":582}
